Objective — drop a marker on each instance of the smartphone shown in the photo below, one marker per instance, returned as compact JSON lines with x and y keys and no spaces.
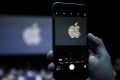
{"x":70,"y":41}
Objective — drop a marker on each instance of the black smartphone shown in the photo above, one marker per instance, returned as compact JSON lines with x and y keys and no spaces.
{"x":70,"y":41}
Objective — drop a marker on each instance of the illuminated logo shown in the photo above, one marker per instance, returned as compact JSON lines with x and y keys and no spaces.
{"x":74,"y":31}
{"x":32,"y":34}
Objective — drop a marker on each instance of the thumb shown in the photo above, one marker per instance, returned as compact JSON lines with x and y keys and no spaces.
{"x":96,"y":45}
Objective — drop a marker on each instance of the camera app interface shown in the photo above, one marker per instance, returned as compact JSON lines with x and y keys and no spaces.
{"x":70,"y":31}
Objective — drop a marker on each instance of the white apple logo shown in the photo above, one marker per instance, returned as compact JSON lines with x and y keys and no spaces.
{"x":32,"y":35}
{"x":74,"y":31}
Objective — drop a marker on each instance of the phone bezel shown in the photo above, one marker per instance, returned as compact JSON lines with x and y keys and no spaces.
{"x":54,"y":9}
{"x":59,"y":4}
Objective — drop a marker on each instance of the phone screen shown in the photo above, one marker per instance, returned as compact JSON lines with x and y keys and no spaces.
{"x":70,"y":40}
{"x":70,"y":30}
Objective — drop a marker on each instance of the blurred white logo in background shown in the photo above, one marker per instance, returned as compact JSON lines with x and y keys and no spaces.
{"x":32,"y":35}
{"x":74,"y":31}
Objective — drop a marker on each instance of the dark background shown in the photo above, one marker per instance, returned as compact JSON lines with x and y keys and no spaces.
{"x":103,"y":22}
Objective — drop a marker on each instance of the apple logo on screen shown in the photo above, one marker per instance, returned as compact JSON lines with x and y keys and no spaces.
{"x":32,"y":35}
{"x":74,"y":31}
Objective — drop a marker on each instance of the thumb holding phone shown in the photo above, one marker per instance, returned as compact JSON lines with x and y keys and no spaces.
{"x":100,"y":67}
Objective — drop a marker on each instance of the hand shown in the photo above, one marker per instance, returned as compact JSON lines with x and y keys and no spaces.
{"x":100,"y":67}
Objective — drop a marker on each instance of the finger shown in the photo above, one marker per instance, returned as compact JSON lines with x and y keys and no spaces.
{"x":96,"y":45}
{"x":51,"y":66}
{"x":92,"y":58}
{"x":93,"y":61}
{"x":50,"y":55}
{"x":91,"y":53}
{"x":95,"y":40}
